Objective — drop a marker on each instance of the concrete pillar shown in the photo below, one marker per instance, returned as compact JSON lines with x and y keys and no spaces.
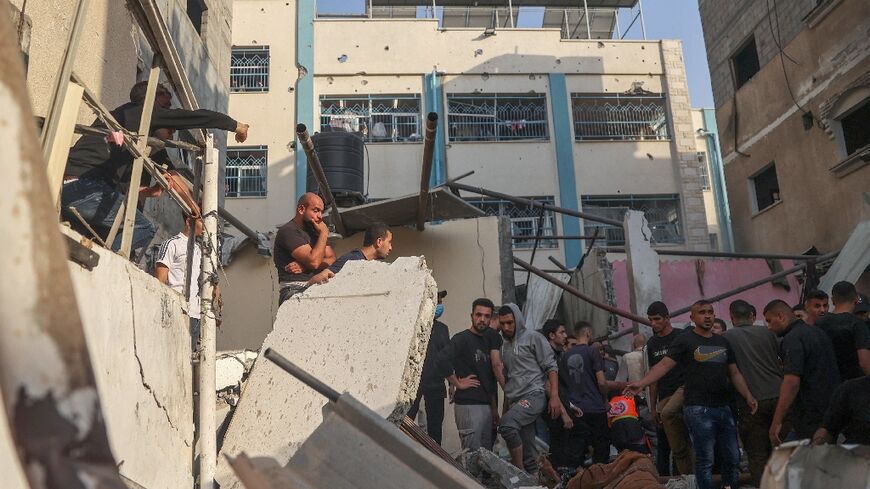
{"x":644,"y":280}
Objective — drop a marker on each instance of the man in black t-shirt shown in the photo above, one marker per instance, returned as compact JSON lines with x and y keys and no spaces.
{"x":848,"y":413}
{"x":809,"y":370}
{"x":667,"y":396}
{"x":849,"y":334}
{"x":297,"y":255}
{"x":709,"y":363}
{"x":476,"y":395}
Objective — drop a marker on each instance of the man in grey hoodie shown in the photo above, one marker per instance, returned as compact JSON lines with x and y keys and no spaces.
{"x":528,"y":365}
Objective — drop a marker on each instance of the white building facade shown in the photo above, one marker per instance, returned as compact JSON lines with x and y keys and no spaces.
{"x":599,"y":125}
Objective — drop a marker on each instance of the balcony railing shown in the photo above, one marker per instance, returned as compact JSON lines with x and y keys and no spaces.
{"x":497,"y":117}
{"x":382,"y":118}
{"x":619,"y":117}
{"x":662,"y":213}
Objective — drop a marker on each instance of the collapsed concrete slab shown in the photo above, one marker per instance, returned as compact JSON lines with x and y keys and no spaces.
{"x":365,"y":332}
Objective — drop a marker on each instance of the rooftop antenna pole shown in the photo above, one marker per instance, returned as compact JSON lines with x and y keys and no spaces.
{"x":586,"y":17}
{"x":511,"y":12}
{"x":642,"y":23}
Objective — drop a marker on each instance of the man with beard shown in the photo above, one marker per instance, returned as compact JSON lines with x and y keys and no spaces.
{"x":528,"y":360}
{"x":300,"y":247}
{"x":476,"y":394}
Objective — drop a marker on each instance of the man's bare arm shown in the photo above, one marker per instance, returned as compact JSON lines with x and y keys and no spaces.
{"x":497,"y":367}
{"x":654,"y":375}
{"x":311,"y":257}
{"x":788,"y":391}
{"x":161,"y":271}
{"x":740,"y":384}
{"x":864,"y":360}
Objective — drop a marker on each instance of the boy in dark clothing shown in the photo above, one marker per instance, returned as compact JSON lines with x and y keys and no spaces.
{"x":97,"y":176}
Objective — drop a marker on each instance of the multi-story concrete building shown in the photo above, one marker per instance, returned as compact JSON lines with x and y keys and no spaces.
{"x":791,"y":84}
{"x":591,"y":123}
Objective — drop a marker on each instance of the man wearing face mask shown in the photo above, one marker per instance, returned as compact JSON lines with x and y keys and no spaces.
{"x":436,"y":368}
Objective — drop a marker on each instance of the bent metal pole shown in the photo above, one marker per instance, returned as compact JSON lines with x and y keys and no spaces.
{"x":573,"y":291}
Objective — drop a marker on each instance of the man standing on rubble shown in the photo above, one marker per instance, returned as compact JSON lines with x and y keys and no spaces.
{"x":529,"y":366}
{"x":666,"y":396}
{"x":300,"y":247}
{"x":97,"y":175}
{"x":757,"y":354}
{"x":809,"y":369}
{"x":709,"y":363}
{"x":849,"y":334}
{"x":476,"y":394}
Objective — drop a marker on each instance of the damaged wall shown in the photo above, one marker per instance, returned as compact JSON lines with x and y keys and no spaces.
{"x":364,"y":332}
{"x":250,"y":295}
{"x":137,"y":335}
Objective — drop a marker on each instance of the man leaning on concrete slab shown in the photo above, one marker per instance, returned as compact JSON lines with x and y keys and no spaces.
{"x":300,"y":247}
{"x":377,"y":245}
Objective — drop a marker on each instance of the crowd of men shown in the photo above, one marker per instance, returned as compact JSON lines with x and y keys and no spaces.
{"x":711,"y":386}
{"x":686,"y":394}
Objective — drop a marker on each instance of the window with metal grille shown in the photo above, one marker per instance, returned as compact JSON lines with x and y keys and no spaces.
{"x":619,"y":116}
{"x":246,"y":171}
{"x":497,"y":117}
{"x":662,"y":213}
{"x":249,"y":69}
{"x":380,"y":118}
{"x":705,"y":171}
{"x":525,"y":220}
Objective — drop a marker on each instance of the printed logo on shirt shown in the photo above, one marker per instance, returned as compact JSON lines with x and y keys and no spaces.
{"x":480,"y":357}
{"x":576,"y":367}
{"x":617,"y":407}
{"x":714,"y":354}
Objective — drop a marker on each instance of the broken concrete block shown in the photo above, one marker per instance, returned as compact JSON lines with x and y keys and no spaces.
{"x":508,"y":475}
{"x":230,"y":367}
{"x":364,"y":332}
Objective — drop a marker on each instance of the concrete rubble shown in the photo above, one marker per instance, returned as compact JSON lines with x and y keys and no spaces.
{"x":365,"y":332}
{"x":507,"y":475}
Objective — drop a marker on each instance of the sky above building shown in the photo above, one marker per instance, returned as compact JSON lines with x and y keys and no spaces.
{"x":664,"y":19}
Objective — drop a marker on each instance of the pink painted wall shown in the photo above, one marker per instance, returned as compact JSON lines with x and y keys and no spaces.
{"x":680,"y":285}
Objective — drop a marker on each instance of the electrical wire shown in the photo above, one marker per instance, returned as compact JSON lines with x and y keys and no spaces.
{"x":782,"y":57}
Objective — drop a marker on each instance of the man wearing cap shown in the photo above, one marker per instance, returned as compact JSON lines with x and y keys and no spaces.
{"x":436,"y":368}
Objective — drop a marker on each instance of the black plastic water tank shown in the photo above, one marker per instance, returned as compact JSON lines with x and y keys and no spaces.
{"x":341,"y":156}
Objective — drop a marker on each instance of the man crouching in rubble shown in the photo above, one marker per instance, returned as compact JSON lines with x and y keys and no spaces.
{"x":300,"y":247}
{"x":527,"y":357}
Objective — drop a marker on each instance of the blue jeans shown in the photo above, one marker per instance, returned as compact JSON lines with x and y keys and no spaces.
{"x":713,"y":430}
{"x":98,"y":203}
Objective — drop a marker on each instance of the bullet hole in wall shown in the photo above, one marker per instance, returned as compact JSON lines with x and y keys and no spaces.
{"x":342,"y":58}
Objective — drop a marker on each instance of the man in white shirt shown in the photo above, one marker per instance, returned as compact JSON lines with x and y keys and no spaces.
{"x":172,"y":267}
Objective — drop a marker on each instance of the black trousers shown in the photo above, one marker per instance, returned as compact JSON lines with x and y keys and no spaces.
{"x":569,"y":447}
{"x":434,"y":402}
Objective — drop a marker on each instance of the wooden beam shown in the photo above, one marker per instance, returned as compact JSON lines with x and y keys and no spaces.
{"x":142,"y":147}
{"x":57,"y":153}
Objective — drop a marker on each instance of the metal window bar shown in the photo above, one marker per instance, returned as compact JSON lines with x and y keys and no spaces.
{"x":246,"y":172}
{"x":524,"y":221}
{"x":497,"y":117}
{"x":249,"y":69}
{"x":380,"y":119}
{"x":662,"y":213}
{"x":619,"y":117}
{"x":704,"y":170}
